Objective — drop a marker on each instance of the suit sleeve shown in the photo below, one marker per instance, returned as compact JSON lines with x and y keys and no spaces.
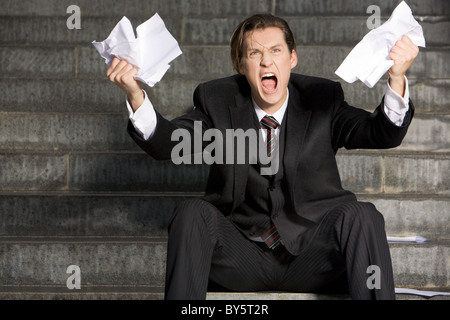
{"x":354,"y":128}
{"x":160,"y":145}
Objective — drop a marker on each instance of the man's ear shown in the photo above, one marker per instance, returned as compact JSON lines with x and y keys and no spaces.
{"x":294,"y":59}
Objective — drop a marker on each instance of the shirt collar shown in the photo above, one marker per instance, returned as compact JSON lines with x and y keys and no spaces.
{"x":277,"y":115}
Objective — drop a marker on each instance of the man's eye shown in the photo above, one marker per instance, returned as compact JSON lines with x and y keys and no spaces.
{"x":276,"y":50}
{"x":254,"y":53}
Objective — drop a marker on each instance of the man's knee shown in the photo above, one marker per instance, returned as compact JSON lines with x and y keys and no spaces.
{"x":361,"y":213}
{"x":192,"y":211}
{"x":370,"y":213}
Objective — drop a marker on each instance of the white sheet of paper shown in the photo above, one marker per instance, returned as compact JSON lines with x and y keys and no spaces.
{"x":369,"y":59}
{"x":421,"y":292}
{"x":150,"y":52}
{"x":412,"y":239}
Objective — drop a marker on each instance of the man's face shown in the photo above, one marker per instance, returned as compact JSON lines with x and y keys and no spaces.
{"x":266,"y":63}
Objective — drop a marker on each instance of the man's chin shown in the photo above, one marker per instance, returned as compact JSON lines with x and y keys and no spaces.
{"x":270,"y":99}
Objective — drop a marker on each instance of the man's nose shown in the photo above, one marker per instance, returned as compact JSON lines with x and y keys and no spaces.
{"x":266,"y":59}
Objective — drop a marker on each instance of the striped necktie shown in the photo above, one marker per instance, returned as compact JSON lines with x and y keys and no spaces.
{"x":271,"y":237}
{"x":270,"y":123}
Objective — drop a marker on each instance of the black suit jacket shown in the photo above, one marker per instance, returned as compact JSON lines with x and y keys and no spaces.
{"x":319,"y":122}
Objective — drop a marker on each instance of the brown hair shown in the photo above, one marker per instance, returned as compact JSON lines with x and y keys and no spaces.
{"x":257,"y":21}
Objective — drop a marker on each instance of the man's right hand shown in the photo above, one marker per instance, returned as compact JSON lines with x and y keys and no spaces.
{"x":122,"y":74}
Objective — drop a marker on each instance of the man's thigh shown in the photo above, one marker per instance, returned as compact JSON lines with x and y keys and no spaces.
{"x":240,"y":264}
{"x":324,"y":261}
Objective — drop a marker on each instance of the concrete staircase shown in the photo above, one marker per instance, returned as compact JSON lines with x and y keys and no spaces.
{"x":75,"y":190}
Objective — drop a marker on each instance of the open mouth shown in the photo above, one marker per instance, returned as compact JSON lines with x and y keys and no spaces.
{"x":269,"y":82}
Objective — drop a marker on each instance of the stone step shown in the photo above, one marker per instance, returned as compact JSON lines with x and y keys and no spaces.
{"x":140,"y":262}
{"x":129,"y":261}
{"x":361,"y":172}
{"x":201,"y":31}
{"x":323,"y":61}
{"x":90,"y":214}
{"x":304,"y":296}
{"x":394,"y":173}
{"x":126,"y":215}
{"x":136,"y":8}
{"x":350,"y":30}
{"x":129,"y":172}
{"x":150,"y":293}
{"x":429,"y":96}
{"x":37,"y":61}
{"x":359,"y":8}
{"x":173,"y":96}
{"x":41,"y":131}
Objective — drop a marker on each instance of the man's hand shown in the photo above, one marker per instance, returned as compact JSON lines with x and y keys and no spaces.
{"x":122,"y":74}
{"x":403,"y":53}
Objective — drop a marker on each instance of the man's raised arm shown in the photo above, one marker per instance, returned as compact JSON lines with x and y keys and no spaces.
{"x":122,"y":73}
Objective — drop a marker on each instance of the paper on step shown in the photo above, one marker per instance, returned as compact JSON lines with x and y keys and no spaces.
{"x":150,"y":52}
{"x":421,"y":292}
{"x":413,"y":239}
{"x":369,"y":59}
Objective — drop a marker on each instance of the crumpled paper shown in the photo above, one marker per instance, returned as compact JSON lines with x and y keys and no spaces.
{"x":150,"y":52}
{"x":369,"y":59}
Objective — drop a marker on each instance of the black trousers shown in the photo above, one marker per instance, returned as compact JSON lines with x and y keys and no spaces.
{"x":204,"y":246}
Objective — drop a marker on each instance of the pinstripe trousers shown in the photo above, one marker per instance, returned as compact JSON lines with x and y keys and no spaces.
{"x":206,"y":247}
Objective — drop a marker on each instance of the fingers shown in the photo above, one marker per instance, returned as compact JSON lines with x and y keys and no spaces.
{"x":120,"y":71}
{"x":404,"y":50}
{"x":403,"y":54}
{"x":114,"y":63}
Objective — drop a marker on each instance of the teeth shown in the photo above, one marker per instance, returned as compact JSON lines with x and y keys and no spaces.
{"x":268,"y":75}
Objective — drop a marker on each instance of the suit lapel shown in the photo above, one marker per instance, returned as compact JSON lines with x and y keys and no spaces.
{"x":242,"y":117}
{"x":296,"y":128}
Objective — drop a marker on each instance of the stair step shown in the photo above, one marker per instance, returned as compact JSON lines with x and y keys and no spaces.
{"x":361,"y":172}
{"x":89,"y":293}
{"x":347,"y":7}
{"x":104,"y":8}
{"x":138,"y":9}
{"x":121,"y":261}
{"x":150,"y":293}
{"x":107,"y":132}
{"x":127,"y":215}
{"x":302,"y":296}
{"x":328,"y":30}
{"x":37,"y":61}
{"x":129,"y":261}
{"x":425,"y":265}
{"x":174,"y":97}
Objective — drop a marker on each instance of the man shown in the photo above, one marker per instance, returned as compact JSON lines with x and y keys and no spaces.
{"x":296,"y":229}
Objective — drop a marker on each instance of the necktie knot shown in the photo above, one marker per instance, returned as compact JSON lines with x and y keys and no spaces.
{"x":269,"y":122}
